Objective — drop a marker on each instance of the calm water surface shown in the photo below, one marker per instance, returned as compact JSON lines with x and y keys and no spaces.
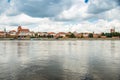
{"x":60,"y":60}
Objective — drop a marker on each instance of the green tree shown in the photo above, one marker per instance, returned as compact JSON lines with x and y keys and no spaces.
{"x":109,"y":35}
{"x":72,"y":35}
{"x":115,"y":34}
{"x":36,"y":34}
{"x":90,"y":35}
{"x":103,"y":34}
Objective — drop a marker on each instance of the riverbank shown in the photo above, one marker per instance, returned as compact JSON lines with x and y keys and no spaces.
{"x":60,"y":39}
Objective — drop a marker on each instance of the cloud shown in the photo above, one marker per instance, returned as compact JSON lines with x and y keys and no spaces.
{"x":111,"y":14}
{"x":63,"y":10}
{"x":77,"y":12}
{"x":42,"y":8}
{"x":4,"y":5}
{"x":61,"y":15}
{"x":47,"y":25}
{"x":99,"y":6}
{"x":98,"y":27}
{"x":21,"y":19}
{"x":92,"y":11}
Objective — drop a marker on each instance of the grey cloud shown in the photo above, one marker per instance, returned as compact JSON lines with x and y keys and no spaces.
{"x":1,"y":6}
{"x":111,"y":14}
{"x":53,"y":8}
{"x":64,"y":19}
{"x":17,"y":23}
{"x":4,"y":5}
{"x":96,"y":10}
{"x":99,"y":6}
{"x":42,"y":8}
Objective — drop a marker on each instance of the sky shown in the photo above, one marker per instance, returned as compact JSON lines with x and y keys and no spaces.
{"x":60,"y":15}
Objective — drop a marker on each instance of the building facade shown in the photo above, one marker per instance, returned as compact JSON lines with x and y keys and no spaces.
{"x":23,"y":33}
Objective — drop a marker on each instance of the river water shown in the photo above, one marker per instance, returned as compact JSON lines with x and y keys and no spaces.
{"x":60,"y":60}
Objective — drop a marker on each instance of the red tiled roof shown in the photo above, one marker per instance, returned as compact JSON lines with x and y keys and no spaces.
{"x":61,"y":33}
{"x":51,"y":33}
{"x":1,"y":31}
{"x":12,"y":31}
{"x":24,"y":30}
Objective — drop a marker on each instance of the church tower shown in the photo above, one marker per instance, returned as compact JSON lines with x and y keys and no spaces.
{"x":112,"y":30}
{"x":19,"y":28}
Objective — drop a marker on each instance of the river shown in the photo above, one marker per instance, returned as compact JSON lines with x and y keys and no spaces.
{"x":60,"y":60}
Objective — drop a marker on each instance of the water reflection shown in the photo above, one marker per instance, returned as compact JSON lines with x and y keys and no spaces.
{"x":59,"y":60}
{"x":101,"y":63}
{"x":52,"y":70}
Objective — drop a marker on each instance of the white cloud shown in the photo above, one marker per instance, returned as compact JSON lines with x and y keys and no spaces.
{"x":77,"y":12}
{"x":85,"y":26}
{"x":21,"y":19}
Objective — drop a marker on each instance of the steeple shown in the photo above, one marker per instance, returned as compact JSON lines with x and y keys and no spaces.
{"x":112,"y":30}
{"x":5,"y":30}
{"x":19,"y":28}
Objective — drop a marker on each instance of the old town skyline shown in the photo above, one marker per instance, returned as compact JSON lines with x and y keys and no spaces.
{"x":26,"y":33}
